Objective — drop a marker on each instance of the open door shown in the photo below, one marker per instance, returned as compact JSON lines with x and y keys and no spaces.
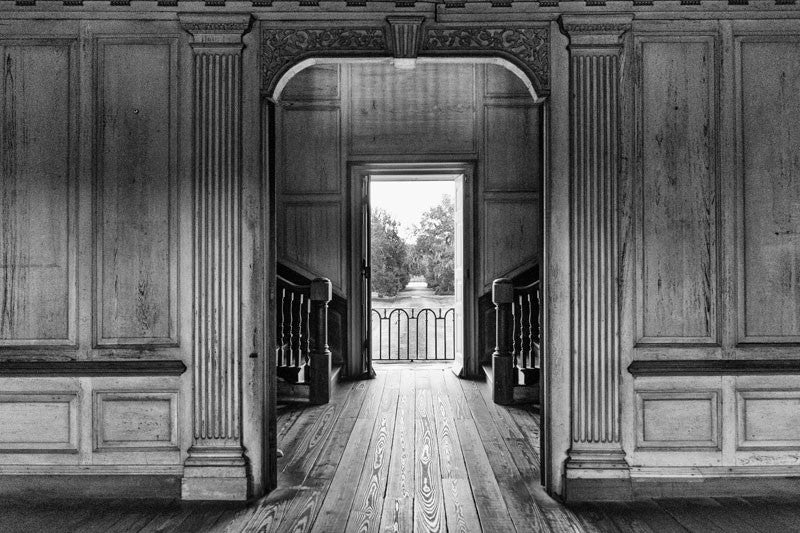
{"x":359,"y":361}
{"x":365,"y":299}
{"x":458,"y":268}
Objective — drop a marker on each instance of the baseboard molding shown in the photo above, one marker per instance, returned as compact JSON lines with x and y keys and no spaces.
{"x":65,"y":486}
{"x":91,"y":470}
{"x":683,"y":485}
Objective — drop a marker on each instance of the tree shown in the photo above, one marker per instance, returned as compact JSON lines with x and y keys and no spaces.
{"x":433,"y":251}
{"x":389,"y":262}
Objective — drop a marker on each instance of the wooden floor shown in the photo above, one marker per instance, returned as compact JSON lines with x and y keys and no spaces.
{"x":415,"y":449}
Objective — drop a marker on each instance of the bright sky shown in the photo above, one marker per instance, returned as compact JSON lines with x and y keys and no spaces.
{"x":407,"y":200}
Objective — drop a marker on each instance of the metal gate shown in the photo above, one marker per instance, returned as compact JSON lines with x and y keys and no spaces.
{"x":406,"y":334}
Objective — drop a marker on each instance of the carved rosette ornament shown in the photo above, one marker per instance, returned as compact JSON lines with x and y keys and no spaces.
{"x":216,"y":467}
{"x":528,"y":47}
{"x":595,"y":48}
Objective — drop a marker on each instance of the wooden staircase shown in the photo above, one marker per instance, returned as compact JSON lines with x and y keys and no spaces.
{"x":525,"y":388}
{"x":515,"y":370}
{"x":303,"y":359}
{"x":294,"y":385}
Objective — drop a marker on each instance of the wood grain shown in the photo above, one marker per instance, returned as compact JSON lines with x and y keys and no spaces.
{"x":770,"y":225}
{"x":136,"y":222}
{"x":679,"y":189}
{"x":38,"y":242}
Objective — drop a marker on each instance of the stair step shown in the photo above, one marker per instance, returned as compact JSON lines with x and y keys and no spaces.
{"x":527,"y":388}
{"x":293,"y":392}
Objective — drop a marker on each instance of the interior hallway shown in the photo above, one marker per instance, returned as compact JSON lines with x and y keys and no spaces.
{"x":444,"y":456}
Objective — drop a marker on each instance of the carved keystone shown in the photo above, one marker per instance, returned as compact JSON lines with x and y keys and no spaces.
{"x":405,"y":35}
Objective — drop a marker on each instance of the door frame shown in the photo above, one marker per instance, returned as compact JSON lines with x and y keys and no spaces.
{"x":356,"y":364}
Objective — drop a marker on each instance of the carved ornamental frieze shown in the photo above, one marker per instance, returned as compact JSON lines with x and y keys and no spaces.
{"x":528,"y":47}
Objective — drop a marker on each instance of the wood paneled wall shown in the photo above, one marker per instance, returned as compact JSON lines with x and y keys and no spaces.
{"x":716,"y":273}
{"x":332,"y":114}
{"x":91,"y":175}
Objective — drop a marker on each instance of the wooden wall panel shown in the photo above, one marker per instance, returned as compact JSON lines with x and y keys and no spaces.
{"x":136,"y":221}
{"x":37,"y":194}
{"x":501,"y":82}
{"x":677,"y":296}
{"x":310,"y":150}
{"x":126,"y":420}
{"x":427,"y":110}
{"x":677,"y":419}
{"x":39,"y":422}
{"x":310,"y":238}
{"x":320,"y":82}
{"x":768,"y":418}
{"x":512,"y":147}
{"x":769,"y":106}
{"x":511,"y":235}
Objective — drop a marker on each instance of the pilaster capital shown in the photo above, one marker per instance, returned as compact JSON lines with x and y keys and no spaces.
{"x":216,"y":33}
{"x":595,"y":31}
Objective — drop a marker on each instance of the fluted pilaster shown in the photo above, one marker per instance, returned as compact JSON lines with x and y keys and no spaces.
{"x":216,"y":467}
{"x":595,"y":48}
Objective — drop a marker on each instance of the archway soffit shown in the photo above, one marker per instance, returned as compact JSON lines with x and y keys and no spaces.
{"x":526,"y":46}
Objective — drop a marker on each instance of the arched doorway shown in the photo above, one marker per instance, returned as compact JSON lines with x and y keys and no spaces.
{"x":288,"y":53}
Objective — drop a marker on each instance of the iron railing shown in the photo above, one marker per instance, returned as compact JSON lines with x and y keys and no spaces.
{"x":405,"y":334}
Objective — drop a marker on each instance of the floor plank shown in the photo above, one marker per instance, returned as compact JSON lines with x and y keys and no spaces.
{"x":398,"y":505}
{"x":429,"y":501}
{"x":415,"y":449}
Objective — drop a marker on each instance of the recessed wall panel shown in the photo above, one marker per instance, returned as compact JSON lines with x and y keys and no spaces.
{"x":677,"y":297}
{"x":37,"y":195}
{"x":513,"y":148}
{"x":310,"y":150}
{"x":511,"y":233}
{"x":310,"y":238}
{"x":125,"y":420}
{"x":770,"y":143}
{"x":136,"y":186}
{"x":677,"y":419}
{"x":38,"y":422}
{"x":431,"y":109}
{"x":768,"y":418}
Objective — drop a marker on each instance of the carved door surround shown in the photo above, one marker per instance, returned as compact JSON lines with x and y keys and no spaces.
{"x":526,"y":46}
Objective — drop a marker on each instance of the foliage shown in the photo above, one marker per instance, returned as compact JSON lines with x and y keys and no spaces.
{"x":433,"y":251}
{"x":389,"y":261}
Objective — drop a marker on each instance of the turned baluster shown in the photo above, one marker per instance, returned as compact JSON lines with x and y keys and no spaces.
{"x":320,"y":387}
{"x":502,"y":358}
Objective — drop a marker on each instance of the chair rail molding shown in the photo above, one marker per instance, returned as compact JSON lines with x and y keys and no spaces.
{"x":216,"y":468}
{"x":595,"y":48}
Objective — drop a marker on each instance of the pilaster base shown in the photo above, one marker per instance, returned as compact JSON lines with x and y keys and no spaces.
{"x":599,"y":463}
{"x":597,"y":475}
{"x":215,"y":474}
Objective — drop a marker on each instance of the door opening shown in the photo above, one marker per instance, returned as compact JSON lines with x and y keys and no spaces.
{"x":414,"y":260}
{"x":415,"y":307}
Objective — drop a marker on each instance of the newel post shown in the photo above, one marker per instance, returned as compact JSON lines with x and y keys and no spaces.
{"x":503,"y":356}
{"x":320,"y":388}
{"x":216,"y":467}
